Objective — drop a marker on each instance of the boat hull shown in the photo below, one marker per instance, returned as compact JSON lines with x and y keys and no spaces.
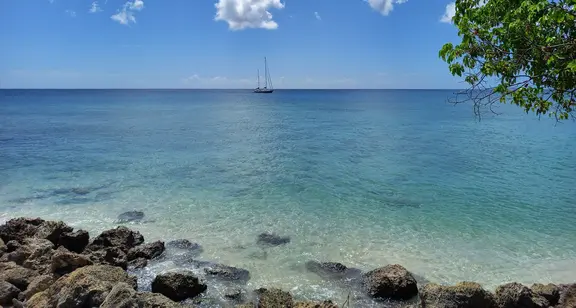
{"x":263,"y":91}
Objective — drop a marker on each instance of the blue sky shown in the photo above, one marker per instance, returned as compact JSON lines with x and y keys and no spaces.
{"x":221,"y":43}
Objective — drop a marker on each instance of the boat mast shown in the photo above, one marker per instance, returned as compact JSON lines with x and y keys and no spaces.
{"x":258,"y":78}
{"x":265,"y":74}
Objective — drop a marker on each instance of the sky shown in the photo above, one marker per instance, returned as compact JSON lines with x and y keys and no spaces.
{"x":376,"y":44}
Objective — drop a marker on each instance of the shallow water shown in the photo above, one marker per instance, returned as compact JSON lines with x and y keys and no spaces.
{"x":365,"y":178}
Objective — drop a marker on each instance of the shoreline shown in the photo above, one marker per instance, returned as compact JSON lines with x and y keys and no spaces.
{"x":40,"y":259}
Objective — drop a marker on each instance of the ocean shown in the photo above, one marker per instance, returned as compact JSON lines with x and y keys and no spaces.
{"x":365,"y":178}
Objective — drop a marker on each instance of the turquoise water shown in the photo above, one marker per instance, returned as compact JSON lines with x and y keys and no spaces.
{"x":365,"y":178}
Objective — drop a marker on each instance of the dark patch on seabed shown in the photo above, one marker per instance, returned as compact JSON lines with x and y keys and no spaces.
{"x":70,"y":195}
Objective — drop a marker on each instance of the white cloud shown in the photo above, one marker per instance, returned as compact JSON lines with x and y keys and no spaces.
{"x":95,"y":8}
{"x":317,"y":16}
{"x":125,"y":15}
{"x":242,"y":14}
{"x":137,"y":5}
{"x":384,"y":6}
{"x":449,"y":13}
{"x":71,"y":13}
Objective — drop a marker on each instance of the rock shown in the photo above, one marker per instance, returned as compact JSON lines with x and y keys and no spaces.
{"x":183,"y":244}
{"x":38,"y":284}
{"x":85,"y":287}
{"x":331,"y":270}
{"x":155,"y":300}
{"x":228,"y":273}
{"x":122,"y":295}
{"x":109,"y":256}
{"x":567,"y":296}
{"x":146,"y":251}
{"x":64,"y":261}
{"x":513,"y":295}
{"x":52,"y":230}
{"x":234,"y":294}
{"x":17,"y":304}
{"x":17,"y":275}
{"x":549,"y":291}
{"x":130,"y":216}
{"x":390,"y":282}
{"x":270,"y":239}
{"x":12,"y":246}
{"x":74,"y":241}
{"x":7,"y":292}
{"x":3,"y":247}
{"x":178,"y":286}
{"x":462,"y":295}
{"x":324,"y":304}
{"x":19,"y":228}
{"x":138,"y":263}
{"x":274,"y":298}
{"x":120,"y":237}
{"x":41,"y":251}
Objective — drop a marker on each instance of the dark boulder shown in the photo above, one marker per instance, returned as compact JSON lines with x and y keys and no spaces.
{"x":109,"y":256}
{"x":138,"y":263}
{"x":390,"y":282}
{"x":38,"y":254}
{"x":271,"y":239}
{"x":130,"y":216}
{"x":227,"y":273}
{"x":549,"y":291}
{"x":16,"y":275}
{"x":74,"y":241}
{"x":513,"y":295}
{"x":183,"y":244}
{"x":274,"y":298}
{"x":64,"y":261}
{"x":7,"y":293}
{"x":52,"y":230}
{"x":120,"y":237}
{"x":462,"y":295}
{"x":332,"y":270}
{"x":178,"y":286}
{"x":18,"y":229}
{"x":146,"y":251}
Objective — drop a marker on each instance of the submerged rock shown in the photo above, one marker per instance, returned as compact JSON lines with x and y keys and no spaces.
{"x":183,"y":244}
{"x":462,"y":295}
{"x":74,"y":241}
{"x":270,"y":239}
{"x":274,"y":298}
{"x":130,"y":216}
{"x":390,"y":282}
{"x":86,"y":287}
{"x":227,"y":273}
{"x":7,"y":292}
{"x":549,"y":291}
{"x":234,"y":294}
{"x":512,"y":295}
{"x":146,"y":251}
{"x":120,"y":237}
{"x":178,"y":286}
{"x":332,"y":270}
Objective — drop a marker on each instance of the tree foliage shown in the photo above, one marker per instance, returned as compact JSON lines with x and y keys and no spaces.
{"x":518,"y":51}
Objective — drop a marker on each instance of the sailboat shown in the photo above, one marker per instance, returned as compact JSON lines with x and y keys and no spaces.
{"x":268,"y":88}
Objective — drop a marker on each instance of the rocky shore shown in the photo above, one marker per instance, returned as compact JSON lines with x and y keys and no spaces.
{"x":49,"y":264}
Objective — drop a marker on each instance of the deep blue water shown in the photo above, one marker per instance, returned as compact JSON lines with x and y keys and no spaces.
{"x":365,"y":178}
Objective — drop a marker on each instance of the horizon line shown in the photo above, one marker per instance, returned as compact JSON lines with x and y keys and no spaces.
{"x":248,"y":89}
